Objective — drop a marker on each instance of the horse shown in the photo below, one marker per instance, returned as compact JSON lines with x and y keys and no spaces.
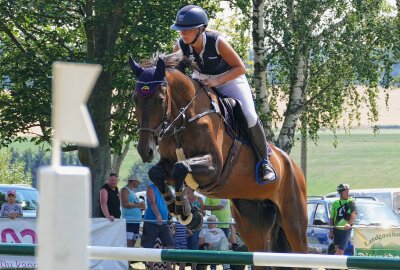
{"x":183,"y":118}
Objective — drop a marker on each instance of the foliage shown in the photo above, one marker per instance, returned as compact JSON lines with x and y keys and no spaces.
{"x":34,"y":159}
{"x":13,"y":172}
{"x":36,"y":33}
{"x":319,"y":52}
{"x":141,"y":170}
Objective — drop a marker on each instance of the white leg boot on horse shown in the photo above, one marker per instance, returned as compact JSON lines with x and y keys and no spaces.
{"x":266,"y":172}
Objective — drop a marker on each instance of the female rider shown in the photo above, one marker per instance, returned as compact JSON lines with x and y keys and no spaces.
{"x":221,"y":67}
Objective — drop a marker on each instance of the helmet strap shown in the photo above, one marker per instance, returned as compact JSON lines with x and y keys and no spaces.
{"x":197,"y":36}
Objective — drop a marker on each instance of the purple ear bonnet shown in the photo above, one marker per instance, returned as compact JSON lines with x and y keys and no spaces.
{"x":148,"y":79}
{"x":147,"y":83}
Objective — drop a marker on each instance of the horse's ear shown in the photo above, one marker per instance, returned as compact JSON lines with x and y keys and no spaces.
{"x":137,"y":69}
{"x":160,"y":69}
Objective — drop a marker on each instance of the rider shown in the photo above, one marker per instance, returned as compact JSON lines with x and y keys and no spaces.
{"x":221,"y":67}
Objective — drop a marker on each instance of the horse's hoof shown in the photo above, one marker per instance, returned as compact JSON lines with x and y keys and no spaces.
{"x":196,"y":223}
{"x":186,"y":221}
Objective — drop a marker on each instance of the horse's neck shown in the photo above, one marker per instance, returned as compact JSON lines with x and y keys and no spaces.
{"x":182,"y":93}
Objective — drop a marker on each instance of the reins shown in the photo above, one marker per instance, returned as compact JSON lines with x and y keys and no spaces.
{"x":166,"y":128}
{"x":183,"y":110}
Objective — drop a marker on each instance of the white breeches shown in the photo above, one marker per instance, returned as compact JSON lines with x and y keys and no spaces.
{"x":238,"y":88}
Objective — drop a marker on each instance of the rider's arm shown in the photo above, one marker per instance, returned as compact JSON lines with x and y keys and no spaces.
{"x":232,"y":58}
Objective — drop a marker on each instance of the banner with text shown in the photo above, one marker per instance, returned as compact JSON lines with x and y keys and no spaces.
{"x":103,"y":233}
{"x":377,"y":242}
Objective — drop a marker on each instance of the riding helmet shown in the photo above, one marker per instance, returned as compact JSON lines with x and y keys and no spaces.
{"x":190,"y":17}
{"x":342,"y":187}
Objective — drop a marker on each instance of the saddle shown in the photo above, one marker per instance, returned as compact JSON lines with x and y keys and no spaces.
{"x":234,"y":119}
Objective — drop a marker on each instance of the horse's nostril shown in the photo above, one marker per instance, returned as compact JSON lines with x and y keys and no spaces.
{"x":151,"y":152}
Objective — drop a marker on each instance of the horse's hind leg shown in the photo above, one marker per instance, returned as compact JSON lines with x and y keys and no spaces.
{"x":200,"y":167}
{"x":295,"y":225}
{"x":158,"y":174}
{"x":259,"y":225}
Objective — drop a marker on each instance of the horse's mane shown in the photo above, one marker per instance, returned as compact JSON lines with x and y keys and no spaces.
{"x":174,"y":60}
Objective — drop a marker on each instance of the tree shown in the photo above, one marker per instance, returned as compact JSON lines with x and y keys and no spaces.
{"x":36,"y":33}
{"x":317,"y":53}
{"x":13,"y":172}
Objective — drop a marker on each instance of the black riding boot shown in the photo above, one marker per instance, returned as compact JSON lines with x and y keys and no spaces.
{"x":259,"y":143}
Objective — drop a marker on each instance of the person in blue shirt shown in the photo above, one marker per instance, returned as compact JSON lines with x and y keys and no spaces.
{"x":131,"y":210}
{"x":156,"y":221}
{"x":219,"y":66}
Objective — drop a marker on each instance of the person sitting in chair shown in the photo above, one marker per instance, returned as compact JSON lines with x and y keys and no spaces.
{"x":221,"y":67}
{"x":213,"y":238}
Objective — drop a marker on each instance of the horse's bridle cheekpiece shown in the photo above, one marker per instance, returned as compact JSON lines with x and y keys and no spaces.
{"x":147,"y":84}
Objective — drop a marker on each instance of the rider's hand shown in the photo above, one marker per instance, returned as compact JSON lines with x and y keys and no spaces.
{"x":212,"y":82}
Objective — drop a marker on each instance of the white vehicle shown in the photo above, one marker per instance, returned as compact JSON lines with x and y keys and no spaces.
{"x":389,"y":196}
{"x":27,"y":196}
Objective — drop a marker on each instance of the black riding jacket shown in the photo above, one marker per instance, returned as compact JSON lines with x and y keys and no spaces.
{"x":209,"y":61}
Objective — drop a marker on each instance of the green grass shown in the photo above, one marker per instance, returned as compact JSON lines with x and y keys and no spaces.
{"x":361,"y":159}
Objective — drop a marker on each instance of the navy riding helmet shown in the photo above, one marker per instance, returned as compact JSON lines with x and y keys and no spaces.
{"x":190,"y":17}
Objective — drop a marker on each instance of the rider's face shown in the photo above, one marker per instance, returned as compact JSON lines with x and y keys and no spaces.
{"x":188,"y":35}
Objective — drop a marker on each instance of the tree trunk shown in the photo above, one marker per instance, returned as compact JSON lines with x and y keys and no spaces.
{"x":117,"y":159}
{"x":101,"y":37}
{"x":296,"y":103}
{"x":98,"y":159}
{"x":260,"y":67}
{"x":304,"y":146}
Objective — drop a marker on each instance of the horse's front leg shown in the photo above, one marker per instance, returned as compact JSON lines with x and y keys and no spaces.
{"x":200,"y":166}
{"x":158,"y":174}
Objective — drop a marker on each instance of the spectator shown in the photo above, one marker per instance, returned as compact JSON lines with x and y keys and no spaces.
{"x":193,"y":239}
{"x":131,"y":210}
{"x":180,"y":234}
{"x":237,"y":244}
{"x":155,"y":221}
{"x":343,"y":214}
{"x":11,"y":208}
{"x":109,"y":198}
{"x":222,"y":210}
{"x":213,"y":238}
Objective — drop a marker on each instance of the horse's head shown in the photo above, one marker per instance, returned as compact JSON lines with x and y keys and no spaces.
{"x":151,"y":100}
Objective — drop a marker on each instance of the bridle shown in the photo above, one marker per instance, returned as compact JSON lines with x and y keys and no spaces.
{"x":158,"y":130}
{"x":166,"y":128}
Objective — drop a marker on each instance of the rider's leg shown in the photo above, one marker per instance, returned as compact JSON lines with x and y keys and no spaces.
{"x":239,"y":88}
{"x":259,"y":143}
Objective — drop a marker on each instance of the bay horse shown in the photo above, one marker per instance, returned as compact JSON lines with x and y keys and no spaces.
{"x":184,"y":119}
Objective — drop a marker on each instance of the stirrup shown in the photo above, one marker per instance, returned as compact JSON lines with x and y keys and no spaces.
{"x":269,"y":175}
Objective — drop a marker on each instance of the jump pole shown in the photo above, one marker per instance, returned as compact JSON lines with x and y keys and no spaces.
{"x":63,"y":218}
{"x":223,"y":257}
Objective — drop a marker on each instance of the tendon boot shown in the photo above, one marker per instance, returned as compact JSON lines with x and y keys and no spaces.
{"x":266,"y":172}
